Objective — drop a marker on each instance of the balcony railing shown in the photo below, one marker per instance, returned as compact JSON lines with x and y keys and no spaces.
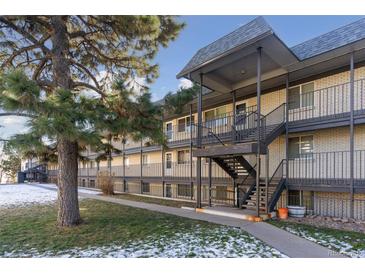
{"x":333,"y":101}
{"x":221,"y":125}
{"x":172,"y":170}
{"x":326,"y":168}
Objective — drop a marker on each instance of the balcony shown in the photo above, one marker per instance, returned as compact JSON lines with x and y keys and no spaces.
{"x":221,"y":124}
{"x":327,"y":107}
{"x":173,"y":171}
{"x":327,"y":171}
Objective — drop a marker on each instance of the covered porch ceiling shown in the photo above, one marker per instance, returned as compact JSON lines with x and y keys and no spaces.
{"x":239,"y":68}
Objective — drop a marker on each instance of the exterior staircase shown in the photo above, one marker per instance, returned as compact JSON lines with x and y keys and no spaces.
{"x":234,"y":161}
{"x":276,"y":185}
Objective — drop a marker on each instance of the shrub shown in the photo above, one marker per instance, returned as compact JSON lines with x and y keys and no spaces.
{"x":105,"y":183}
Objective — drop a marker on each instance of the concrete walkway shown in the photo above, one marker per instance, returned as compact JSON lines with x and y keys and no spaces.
{"x":287,"y":243}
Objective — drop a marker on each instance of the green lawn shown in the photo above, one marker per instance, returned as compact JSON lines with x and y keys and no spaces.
{"x":152,"y":200}
{"x":346,"y":242}
{"x":119,"y":231}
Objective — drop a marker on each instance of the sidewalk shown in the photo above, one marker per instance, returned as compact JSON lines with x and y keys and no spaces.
{"x":291,"y":245}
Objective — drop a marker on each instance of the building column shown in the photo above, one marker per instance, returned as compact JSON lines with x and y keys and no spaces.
{"x":199,"y":144}
{"x":287,"y":135}
{"x":163,"y":164}
{"x":352,"y":141}
{"x":88,"y":168}
{"x":234,"y":116}
{"x":110,"y":156}
{"x":123,"y":167}
{"x":191,"y":153}
{"x":210,"y":182}
{"x":267,"y":180}
{"x":258,"y":161}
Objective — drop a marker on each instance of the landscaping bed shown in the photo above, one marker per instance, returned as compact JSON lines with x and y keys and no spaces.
{"x":350,"y":243}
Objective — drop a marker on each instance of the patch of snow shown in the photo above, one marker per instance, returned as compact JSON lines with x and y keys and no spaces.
{"x":215,"y":243}
{"x":19,"y":195}
{"x":328,"y":241}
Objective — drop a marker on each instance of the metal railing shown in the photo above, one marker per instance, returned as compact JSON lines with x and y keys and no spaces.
{"x":328,"y":205}
{"x":331,"y":101}
{"x":220,"y":124}
{"x":172,"y":170}
{"x":323,"y":167}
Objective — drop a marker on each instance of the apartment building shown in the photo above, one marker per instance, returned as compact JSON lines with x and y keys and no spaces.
{"x":272,"y":125}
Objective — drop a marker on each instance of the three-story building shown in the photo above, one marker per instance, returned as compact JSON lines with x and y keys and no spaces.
{"x":272,"y":125}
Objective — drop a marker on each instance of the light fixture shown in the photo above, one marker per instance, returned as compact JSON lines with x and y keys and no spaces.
{"x":243,"y":71}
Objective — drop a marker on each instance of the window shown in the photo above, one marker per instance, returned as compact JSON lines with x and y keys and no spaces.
{"x":301,"y":96}
{"x":300,"y":146}
{"x":241,"y":108}
{"x":168,"y":160}
{"x":183,"y":190}
{"x":183,"y":156}
{"x":91,"y":164}
{"x":144,"y":159}
{"x":145,"y":187}
{"x":216,"y":117}
{"x":169,"y":131}
{"x":181,"y":125}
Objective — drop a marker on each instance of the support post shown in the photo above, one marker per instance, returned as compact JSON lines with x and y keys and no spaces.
{"x":123,"y":167}
{"x":191,"y":153}
{"x":234,"y":117}
{"x":352,"y":88}
{"x":267,"y":181}
{"x":210,"y":182}
{"x":163,"y":165}
{"x":110,"y":156}
{"x":88,"y":163}
{"x":287,"y":135}
{"x":198,"y":145}
{"x":258,"y":162}
{"x":141,"y":166}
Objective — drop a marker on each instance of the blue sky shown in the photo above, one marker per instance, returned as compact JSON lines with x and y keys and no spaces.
{"x":202,"y":30}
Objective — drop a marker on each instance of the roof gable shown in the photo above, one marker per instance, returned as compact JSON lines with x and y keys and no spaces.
{"x":242,"y":35}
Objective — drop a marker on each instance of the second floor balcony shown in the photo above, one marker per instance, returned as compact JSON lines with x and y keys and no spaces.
{"x":304,"y":108}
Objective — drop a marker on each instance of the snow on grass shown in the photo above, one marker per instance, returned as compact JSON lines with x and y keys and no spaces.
{"x":344,"y":245}
{"x":24,"y":195}
{"x":19,"y":195}
{"x":215,"y":243}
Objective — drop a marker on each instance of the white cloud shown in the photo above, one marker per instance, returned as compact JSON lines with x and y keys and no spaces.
{"x":185,"y":83}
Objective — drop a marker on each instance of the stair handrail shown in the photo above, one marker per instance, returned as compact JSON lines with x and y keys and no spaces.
{"x":264,"y":119}
{"x":210,"y":132}
{"x":281,"y":180}
{"x":247,"y":193}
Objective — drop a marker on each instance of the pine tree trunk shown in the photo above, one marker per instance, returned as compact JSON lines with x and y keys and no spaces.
{"x":68,"y":210}
{"x":68,"y":203}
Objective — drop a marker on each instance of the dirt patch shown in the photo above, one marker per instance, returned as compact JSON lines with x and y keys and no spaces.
{"x":330,"y":222}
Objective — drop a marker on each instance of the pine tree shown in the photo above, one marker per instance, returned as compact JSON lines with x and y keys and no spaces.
{"x":49,"y":61}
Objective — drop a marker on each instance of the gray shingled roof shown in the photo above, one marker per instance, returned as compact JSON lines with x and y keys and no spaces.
{"x":242,"y":35}
{"x":331,"y":40}
{"x":334,"y":39}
